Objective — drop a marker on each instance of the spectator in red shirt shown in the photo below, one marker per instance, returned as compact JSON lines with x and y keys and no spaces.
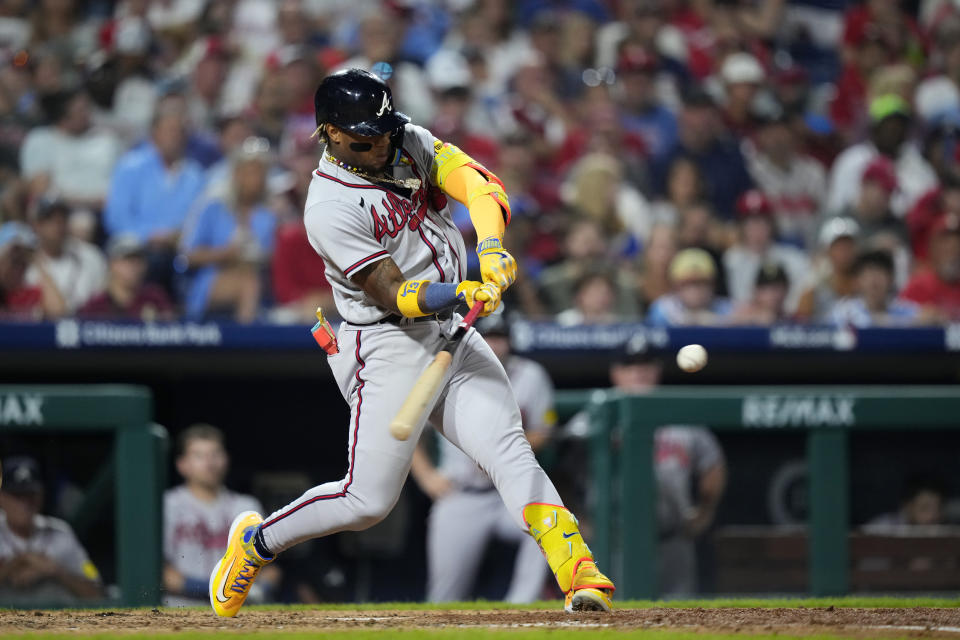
{"x":887,"y":20}
{"x":126,"y":296}
{"x":299,"y":283}
{"x":925,"y":214}
{"x":18,"y":299}
{"x":866,"y":51}
{"x":938,"y":286}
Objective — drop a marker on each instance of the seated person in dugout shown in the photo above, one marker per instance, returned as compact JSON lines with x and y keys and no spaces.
{"x":41,"y":560}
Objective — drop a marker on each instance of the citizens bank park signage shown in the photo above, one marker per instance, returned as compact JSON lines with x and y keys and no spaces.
{"x":21,"y":409}
{"x":798,"y":411}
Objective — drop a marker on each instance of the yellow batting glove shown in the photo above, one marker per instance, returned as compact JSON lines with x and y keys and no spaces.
{"x":496,"y":265}
{"x":470,"y":291}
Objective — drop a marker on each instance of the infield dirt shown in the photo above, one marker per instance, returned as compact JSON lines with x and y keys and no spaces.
{"x":846,"y":622}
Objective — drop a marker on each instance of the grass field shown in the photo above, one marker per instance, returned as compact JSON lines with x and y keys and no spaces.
{"x":781,"y":618}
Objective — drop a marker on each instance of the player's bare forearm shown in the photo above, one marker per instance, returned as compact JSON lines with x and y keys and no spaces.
{"x":381,"y":281}
{"x":80,"y":586}
{"x":712,"y":484}
{"x":537,"y":439}
{"x":427,"y":476}
{"x":420,"y":465}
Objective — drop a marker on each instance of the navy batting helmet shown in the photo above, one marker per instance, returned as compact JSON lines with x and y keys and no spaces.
{"x":359,"y":102}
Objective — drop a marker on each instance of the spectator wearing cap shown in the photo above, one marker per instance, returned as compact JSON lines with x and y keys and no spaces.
{"x":127,"y":296}
{"x":152,"y":190}
{"x":18,"y":299}
{"x":642,"y":108}
{"x":758,"y":245}
{"x":692,"y":300}
{"x":937,"y":287}
{"x":228,"y":242}
{"x":879,"y":228}
{"x":873,"y":303}
{"x":41,"y":560}
{"x":832,"y":275}
{"x":890,"y":121}
{"x":742,"y":76}
{"x":70,"y":156}
{"x":718,"y":157}
{"x":78,"y":268}
{"x":767,"y":305}
{"x":885,"y":22}
{"x":793,"y":182}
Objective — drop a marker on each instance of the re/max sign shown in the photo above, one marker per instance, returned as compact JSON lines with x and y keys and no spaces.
{"x":798,"y":411}
{"x":21,"y":409}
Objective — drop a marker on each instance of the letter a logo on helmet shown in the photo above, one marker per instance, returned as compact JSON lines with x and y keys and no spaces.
{"x":385,"y":107}
{"x":359,"y":102}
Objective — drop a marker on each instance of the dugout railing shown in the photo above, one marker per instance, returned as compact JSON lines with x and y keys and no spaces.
{"x":621,"y":455}
{"x":136,"y":468}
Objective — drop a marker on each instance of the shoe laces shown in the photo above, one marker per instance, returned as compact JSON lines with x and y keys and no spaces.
{"x":245,"y":576}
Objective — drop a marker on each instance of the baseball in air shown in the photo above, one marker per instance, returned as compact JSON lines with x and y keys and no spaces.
{"x":692,"y":357}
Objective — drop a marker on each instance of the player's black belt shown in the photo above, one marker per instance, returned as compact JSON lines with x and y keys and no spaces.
{"x":396,"y":320}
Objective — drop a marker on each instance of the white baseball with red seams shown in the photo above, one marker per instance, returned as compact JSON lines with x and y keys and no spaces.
{"x":352,"y":222}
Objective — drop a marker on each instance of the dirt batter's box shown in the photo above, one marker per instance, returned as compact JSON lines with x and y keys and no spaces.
{"x":827,"y":414}
{"x":138,"y":469}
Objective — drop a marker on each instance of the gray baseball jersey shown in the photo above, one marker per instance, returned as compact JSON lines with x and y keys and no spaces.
{"x":54,"y":539}
{"x":195,"y":532}
{"x":353,"y":222}
{"x":681,"y":454}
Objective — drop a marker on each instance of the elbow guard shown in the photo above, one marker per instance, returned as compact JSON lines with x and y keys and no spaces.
{"x":447,"y":158}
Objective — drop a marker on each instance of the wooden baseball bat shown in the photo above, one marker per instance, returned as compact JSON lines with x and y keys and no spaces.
{"x":419,"y":401}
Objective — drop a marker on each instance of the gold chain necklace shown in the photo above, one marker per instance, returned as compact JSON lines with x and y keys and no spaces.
{"x":408,"y":183}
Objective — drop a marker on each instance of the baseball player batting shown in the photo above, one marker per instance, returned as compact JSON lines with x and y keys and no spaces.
{"x":377,"y":214}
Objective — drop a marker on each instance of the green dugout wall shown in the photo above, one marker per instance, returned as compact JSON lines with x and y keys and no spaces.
{"x":621,"y":452}
{"x":137,"y":470}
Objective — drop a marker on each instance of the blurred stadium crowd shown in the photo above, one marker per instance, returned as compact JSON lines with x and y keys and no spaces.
{"x":679,"y":162}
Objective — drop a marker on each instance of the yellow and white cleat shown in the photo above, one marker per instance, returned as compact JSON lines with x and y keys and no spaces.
{"x":591,"y":589}
{"x":233,"y":576}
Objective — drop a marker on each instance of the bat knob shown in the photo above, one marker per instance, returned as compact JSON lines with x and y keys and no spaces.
{"x":400,"y":429}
